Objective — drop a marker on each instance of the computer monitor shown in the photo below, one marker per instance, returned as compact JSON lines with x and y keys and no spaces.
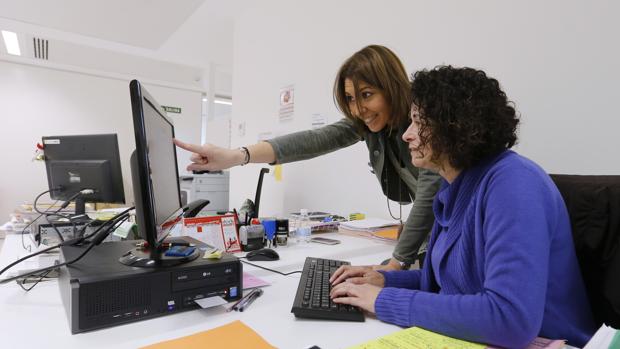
{"x":75,"y":163}
{"x":155,"y":181}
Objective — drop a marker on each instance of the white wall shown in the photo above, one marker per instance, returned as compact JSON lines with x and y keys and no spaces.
{"x":37,"y":101}
{"x":557,"y":60}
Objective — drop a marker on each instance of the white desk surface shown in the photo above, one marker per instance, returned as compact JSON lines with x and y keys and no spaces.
{"x":37,"y":319}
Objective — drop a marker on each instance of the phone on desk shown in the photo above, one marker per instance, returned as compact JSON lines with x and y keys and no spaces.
{"x":325,"y":241}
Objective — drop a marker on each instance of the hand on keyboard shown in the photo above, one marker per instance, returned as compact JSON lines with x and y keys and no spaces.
{"x":357,"y":275}
{"x":363,"y":296}
{"x":312,"y":299}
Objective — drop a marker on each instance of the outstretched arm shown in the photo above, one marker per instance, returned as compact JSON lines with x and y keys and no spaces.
{"x":212,"y":158}
{"x":288,"y":148}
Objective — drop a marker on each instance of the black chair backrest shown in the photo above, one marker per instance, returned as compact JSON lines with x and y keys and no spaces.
{"x":593,"y":204}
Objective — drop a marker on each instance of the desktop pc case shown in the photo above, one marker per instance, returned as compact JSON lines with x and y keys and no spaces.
{"x":98,"y":291}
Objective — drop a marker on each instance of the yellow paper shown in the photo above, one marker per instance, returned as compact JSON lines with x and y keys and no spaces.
{"x":277,"y":172}
{"x":388,"y":233}
{"x":215,"y":254}
{"x":417,"y":338}
{"x":235,"y":335}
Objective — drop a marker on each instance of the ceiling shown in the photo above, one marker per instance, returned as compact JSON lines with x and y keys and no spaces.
{"x":141,"y":23}
{"x":192,"y":33}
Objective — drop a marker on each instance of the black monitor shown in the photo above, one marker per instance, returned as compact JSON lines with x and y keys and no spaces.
{"x":76,"y":163}
{"x":155,"y":181}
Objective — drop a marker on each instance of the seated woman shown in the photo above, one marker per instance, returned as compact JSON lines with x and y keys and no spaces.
{"x":501,"y":266}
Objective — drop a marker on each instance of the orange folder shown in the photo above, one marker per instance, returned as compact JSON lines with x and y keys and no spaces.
{"x":233,"y":335}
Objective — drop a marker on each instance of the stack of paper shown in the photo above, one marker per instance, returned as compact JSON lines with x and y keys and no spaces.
{"x":369,"y":224}
{"x":375,"y":228}
{"x":606,"y":337}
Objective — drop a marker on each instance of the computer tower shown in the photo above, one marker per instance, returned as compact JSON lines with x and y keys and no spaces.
{"x":98,"y":291}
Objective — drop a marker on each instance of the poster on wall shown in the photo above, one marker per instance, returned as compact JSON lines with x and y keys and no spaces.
{"x":287,"y":102}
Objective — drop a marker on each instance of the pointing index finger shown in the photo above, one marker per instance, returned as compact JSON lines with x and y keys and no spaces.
{"x":187,"y":146}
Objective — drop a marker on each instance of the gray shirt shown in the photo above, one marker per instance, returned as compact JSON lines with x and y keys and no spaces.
{"x":390,"y":159}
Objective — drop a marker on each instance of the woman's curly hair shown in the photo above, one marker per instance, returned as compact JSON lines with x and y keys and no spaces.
{"x":464,"y":115}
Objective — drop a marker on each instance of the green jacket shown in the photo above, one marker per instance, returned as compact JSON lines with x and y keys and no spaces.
{"x":399,"y":179}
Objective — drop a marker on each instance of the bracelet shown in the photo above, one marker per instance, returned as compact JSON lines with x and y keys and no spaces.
{"x":246,"y":153}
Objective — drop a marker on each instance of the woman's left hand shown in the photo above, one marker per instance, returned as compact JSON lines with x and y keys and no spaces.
{"x":363,"y":296}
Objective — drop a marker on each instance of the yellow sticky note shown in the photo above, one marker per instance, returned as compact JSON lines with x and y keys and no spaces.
{"x":213,"y":254}
{"x":418,"y":338}
{"x":277,"y":172}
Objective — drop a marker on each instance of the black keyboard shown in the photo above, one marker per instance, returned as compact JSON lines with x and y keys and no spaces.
{"x":312,"y":299}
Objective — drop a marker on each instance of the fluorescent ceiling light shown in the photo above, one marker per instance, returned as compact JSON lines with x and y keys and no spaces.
{"x":204,"y":99}
{"x":11,"y":43}
{"x":219,"y":101}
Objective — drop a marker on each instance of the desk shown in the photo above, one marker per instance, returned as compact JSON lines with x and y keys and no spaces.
{"x":37,"y":319}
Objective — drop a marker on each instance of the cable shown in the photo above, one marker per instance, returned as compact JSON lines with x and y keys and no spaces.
{"x":41,"y":214}
{"x":400,"y":206}
{"x":400,"y":186}
{"x":27,"y":248}
{"x":83,"y":229}
{"x":27,"y":257}
{"x":63,"y":206}
{"x":271,"y":270}
{"x":50,"y":268}
{"x":118,"y":224}
{"x":123,"y":215}
{"x":25,"y":280}
{"x":98,"y":237}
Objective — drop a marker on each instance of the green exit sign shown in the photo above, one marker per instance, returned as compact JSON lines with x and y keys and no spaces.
{"x":176,"y":110}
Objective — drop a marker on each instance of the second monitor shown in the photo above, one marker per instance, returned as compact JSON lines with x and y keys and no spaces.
{"x":81,"y":162}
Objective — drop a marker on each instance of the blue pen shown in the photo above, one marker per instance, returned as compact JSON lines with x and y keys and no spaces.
{"x":256,"y":294}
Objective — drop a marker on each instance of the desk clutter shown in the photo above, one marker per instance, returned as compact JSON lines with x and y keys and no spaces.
{"x":230,"y":234}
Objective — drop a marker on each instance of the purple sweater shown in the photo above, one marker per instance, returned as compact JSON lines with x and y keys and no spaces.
{"x":507,"y":263}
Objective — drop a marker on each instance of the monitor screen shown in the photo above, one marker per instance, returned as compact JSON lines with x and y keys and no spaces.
{"x":162,"y":161}
{"x":154,"y":168}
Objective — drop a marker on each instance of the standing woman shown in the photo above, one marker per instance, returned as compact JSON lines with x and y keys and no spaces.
{"x":373,"y":92}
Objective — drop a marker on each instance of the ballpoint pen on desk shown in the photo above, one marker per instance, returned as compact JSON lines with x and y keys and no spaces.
{"x":247,"y":303}
{"x":242,"y":300}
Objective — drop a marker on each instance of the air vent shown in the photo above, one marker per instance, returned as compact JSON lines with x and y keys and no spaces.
{"x":41,"y":48}
{"x":115,"y":296}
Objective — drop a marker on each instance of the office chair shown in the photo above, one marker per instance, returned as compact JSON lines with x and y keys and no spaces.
{"x":593,"y":204}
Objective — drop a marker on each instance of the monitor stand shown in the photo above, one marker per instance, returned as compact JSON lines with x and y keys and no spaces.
{"x":80,"y":211}
{"x":154,"y":258}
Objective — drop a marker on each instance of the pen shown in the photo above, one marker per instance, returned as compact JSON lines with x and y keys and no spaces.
{"x":246,"y":299}
{"x":242,"y":300}
{"x":251,"y":299}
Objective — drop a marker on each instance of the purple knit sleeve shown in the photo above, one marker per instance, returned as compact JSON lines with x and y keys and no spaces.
{"x":402,"y":278}
{"x":508,"y":310}
{"x":394,"y":305}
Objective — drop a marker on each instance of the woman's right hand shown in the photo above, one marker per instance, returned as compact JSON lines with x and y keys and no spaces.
{"x":357,"y":275}
{"x":210,"y":157}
